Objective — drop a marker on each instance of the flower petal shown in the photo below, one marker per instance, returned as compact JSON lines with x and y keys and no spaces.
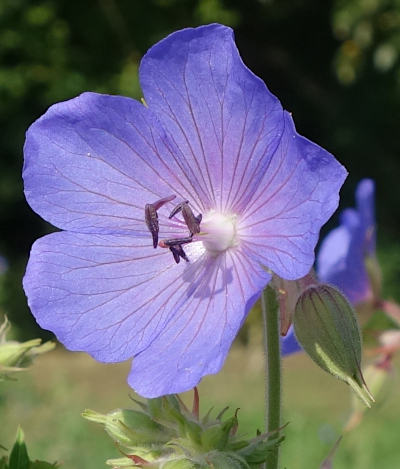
{"x":289,"y":344}
{"x":333,"y":252}
{"x":196,"y":341}
{"x":298,"y":193}
{"x":92,"y":163}
{"x":340,"y":259}
{"x":110,"y":296}
{"x":221,"y":116}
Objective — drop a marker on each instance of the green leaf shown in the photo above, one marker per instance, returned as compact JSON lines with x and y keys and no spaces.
{"x":19,"y":455}
{"x":378,"y":322}
{"x":42,"y":465}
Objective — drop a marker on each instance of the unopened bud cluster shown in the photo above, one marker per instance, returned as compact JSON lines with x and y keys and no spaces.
{"x":165,"y":434}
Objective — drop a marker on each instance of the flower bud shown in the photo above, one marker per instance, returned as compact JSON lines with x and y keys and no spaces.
{"x":326,"y":327}
{"x":12,"y":352}
{"x":129,"y":427}
{"x":165,"y":433}
{"x":16,"y":355}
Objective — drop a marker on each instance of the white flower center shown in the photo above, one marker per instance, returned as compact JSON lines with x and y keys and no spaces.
{"x":218,"y":232}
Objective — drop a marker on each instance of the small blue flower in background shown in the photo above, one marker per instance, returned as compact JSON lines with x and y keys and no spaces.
{"x":341,"y":258}
{"x":213,"y":166}
{"x":289,"y":344}
{"x":342,"y":255}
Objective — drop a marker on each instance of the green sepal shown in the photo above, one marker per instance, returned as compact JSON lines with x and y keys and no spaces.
{"x":181,"y":464}
{"x":129,"y":427}
{"x":224,"y":460}
{"x":12,"y":352}
{"x":217,"y":436}
{"x":117,"y":463}
{"x":257,"y":451}
{"x":193,"y":431}
{"x":15,"y":356}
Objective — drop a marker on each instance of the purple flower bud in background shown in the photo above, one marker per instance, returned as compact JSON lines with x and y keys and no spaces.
{"x":216,"y":161}
{"x":342,"y":257}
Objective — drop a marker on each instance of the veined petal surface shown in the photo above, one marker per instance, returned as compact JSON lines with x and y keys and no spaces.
{"x":297,"y":195}
{"x":221,"y":116}
{"x":92,"y":163}
{"x":196,"y":341}
{"x":103,"y":294}
{"x":115,"y":297}
{"x":247,"y":151}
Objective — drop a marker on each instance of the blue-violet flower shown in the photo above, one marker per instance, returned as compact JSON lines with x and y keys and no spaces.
{"x":211,"y":158}
{"x":342,"y":257}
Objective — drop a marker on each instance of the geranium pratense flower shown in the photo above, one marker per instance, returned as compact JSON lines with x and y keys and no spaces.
{"x":211,"y":134}
{"x":342,"y":258}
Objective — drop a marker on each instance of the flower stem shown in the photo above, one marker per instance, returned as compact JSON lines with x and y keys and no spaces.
{"x":270,"y":313}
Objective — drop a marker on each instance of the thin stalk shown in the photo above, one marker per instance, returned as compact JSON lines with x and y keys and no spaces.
{"x":270,"y":314}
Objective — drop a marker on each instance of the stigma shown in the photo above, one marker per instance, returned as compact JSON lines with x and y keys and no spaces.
{"x":218,"y":232}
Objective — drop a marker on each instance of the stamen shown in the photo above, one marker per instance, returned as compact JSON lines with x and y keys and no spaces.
{"x":159,"y":203}
{"x":178,"y":252}
{"x":191,"y":221}
{"x":151,"y":216}
{"x":167,"y":243}
{"x":151,"y":219}
{"x":178,"y":208}
{"x":173,"y":244}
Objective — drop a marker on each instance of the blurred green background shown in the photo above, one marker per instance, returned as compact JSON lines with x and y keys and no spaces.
{"x":334,"y":64}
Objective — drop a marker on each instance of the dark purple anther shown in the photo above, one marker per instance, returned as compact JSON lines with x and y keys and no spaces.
{"x":157,"y":205}
{"x":151,"y":219}
{"x":178,"y":252}
{"x":178,"y":208}
{"x":191,"y":221}
{"x":151,"y":216}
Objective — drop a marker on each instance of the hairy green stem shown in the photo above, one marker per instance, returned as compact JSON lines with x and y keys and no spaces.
{"x":270,"y":314}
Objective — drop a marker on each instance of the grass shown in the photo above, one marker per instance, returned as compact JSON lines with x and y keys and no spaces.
{"x":47,"y":401}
